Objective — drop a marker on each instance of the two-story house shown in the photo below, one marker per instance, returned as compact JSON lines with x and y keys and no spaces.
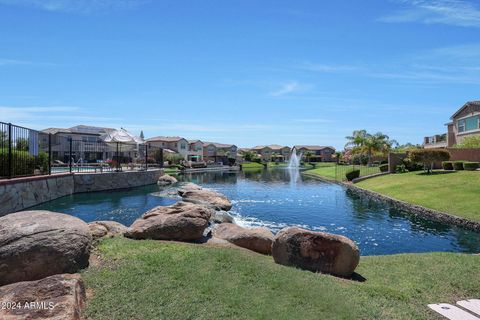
{"x":190,"y":150}
{"x":219,"y":152}
{"x":87,"y":145}
{"x":273,"y":152}
{"x":195,"y":150}
{"x":316,"y":153}
{"x":465,"y":122}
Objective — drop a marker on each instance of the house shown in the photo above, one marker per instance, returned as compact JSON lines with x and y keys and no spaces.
{"x":273,"y":152}
{"x":87,"y":145}
{"x":465,"y":122}
{"x":219,"y":152}
{"x":316,"y":153}
{"x":189,"y":150}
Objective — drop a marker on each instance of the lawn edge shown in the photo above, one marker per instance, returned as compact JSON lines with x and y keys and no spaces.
{"x":410,"y":207}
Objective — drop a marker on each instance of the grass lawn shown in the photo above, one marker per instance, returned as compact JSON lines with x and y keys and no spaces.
{"x":157,"y":280}
{"x":327,"y":170}
{"x":455,"y":192}
{"x":171,"y":170}
{"x":249,"y":165}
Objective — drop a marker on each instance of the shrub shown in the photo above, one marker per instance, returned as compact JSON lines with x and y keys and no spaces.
{"x":411,"y":165}
{"x":383,"y":168}
{"x":447,"y":165}
{"x":429,"y":156}
{"x":469,"y":142}
{"x":471,"y":166}
{"x":353,"y":174}
{"x":401,"y":168}
{"x":458,"y":165}
{"x":23,"y":163}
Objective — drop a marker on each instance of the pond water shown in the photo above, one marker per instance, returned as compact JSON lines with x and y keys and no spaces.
{"x":278,"y":198}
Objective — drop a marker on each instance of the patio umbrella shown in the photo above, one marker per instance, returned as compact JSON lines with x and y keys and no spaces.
{"x":122,"y":138}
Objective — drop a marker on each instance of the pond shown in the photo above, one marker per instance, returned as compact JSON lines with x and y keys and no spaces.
{"x":278,"y":198}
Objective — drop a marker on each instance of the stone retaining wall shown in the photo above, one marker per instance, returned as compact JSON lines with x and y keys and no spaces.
{"x":114,"y":180}
{"x":18,"y":194}
{"x":22,"y":193}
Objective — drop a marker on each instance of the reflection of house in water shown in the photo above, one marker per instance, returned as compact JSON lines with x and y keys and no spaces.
{"x":217,"y":177}
{"x":87,"y":144}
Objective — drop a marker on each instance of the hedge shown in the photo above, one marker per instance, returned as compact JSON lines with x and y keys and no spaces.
{"x":353,"y":174}
{"x":23,"y":163}
{"x":458,"y":165}
{"x":383,"y":168}
{"x":447,"y":165}
{"x":471,"y":166}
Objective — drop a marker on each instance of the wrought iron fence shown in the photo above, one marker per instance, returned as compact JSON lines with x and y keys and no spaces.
{"x":342,"y":172}
{"x":26,"y":152}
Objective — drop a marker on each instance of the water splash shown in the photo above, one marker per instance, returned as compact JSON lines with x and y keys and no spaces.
{"x":294,"y":159}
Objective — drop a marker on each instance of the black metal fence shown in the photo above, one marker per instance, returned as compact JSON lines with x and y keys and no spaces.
{"x":338,"y":171}
{"x":27,"y":152}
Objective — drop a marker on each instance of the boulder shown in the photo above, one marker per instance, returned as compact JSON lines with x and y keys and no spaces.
{"x":166,"y":180}
{"x":37,"y":244}
{"x":100,"y":229}
{"x":187,"y":187}
{"x":58,"y":297}
{"x":206,"y":197}
{"x":257,"y":239}
{"x":316,"y":251}
{"x":222,"y":217}
{"x":181,"y":221}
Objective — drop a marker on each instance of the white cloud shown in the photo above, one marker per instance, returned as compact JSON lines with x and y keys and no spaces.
{"x":451,"y":12}
{"x":79,"y":6}
{"x":290,"y":88}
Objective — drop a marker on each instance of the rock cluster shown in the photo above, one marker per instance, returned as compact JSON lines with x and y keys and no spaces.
{"x":166,"y":180}
{"x":100,"y":229}
{"x":256,"y":239}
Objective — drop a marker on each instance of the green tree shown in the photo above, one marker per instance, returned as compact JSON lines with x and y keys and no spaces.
{"x":469,"y":142}
{"x":363,"y":143}
{"x":428,"y":157}
{"x":308,"y":155}
{"x":22,"y":144}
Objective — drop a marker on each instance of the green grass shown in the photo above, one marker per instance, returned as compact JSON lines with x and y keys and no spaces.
{"x":328,"y":170}
{"x":455,"y":192}
{"x":171,"y":170}
{"x":250,"y":165}
{"x":157,"y":280}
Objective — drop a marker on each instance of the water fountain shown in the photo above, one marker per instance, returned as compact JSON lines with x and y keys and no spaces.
{"x":294,"y":162}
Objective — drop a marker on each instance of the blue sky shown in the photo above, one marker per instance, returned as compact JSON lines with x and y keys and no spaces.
{"x":247,"y":72}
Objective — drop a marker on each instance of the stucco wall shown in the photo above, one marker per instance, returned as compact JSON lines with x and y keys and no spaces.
{"x":22,"y":193}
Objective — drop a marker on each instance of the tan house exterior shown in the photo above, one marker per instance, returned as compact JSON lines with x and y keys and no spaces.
{"x":273,"y":152}
{"x":318,"y":153}
{"x":195,"y":150}
{"x":465,"y":122}
{"x":176,"y":144}
{"x":219,"y":152}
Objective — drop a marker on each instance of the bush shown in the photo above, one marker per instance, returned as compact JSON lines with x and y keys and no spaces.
{"x":471,"y":166}
{"x":447,"y":165}
{"x":383,"y":168}
{"x":353,"y":174}
{"x":458,"y":165}
{"x":411,"y":165}
{"x":401,"y":168}
{"x":429,"y":156}
{"x":23,"y":163}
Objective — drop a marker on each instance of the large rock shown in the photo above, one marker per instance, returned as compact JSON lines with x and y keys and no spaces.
{"x":206,"y":197}
{"x":58,"y":297}
{"x":166,"y":180}
{"x":222,"y":217}
{"x":188,"y":186}
{"x":100,"y":229}
{"x":37,"y":244}
{"x":257,"y":239}
{"x":316,"y":251}
{"x":181,"y":221}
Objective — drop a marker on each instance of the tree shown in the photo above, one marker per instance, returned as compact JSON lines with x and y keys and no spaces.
{"x":308,"y":155}
{"x":363,"y":143}
{"x":428,"y":157}
{"x":22,"y":144}
{"x":469,"y":142}
{"x":142,"y":135}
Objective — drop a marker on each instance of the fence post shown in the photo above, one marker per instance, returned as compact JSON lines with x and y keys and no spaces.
{"x":118,"y":160}
{"x":146,"y":157}
{"x":49,"y":153}
{"x":10,"y":158}
{"x":161,"y":157}
{"x":71,"y":156}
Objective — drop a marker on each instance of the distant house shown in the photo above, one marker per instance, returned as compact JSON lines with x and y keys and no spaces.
{"x":219,"y":152}
{"x":465,"y":122}
{"x":87,"y":144}
{"x":190,"y":150}
{"x":273,"y":152}
{"x":316,"y":153}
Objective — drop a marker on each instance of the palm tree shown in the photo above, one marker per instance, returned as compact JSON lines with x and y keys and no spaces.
{"x":365,"y":143}
{"x":357,"y":140}
{"x":308,"y":154}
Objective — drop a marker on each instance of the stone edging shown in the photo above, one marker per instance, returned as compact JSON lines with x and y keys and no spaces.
{"x":412,"y":208}
{"x":5,"y":182}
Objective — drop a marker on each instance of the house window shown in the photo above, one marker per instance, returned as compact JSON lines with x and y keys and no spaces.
{"x":183,"y":146}
{"x":468,"y":124}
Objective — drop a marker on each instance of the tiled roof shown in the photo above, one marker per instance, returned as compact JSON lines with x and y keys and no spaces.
{"x":313,"y":148}
{"x":468,"y":103}
{"x":165,"y":139}
{"x":218,"y":145}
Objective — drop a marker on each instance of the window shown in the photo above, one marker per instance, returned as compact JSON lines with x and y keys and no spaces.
{"x":183,"y":146}
{"x":468,"y":124}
